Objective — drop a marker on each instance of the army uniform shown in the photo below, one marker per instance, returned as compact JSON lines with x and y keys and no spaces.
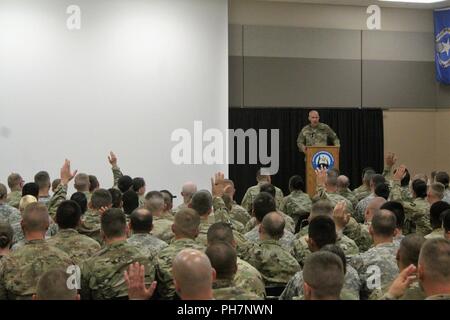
{"x":79,"y":247}
{"x":286,"y":241}
{"x":167,"y":215}
{"x":361,"y":208}
{"x":413,"y":292}
{"x":289,"y":223}
{"x":102,"y":275}
{"x":359,"y":233}
{"x":361,"y":192}
{"x":317,"y":136}
{"x":275,"y":264}
{"x":239,"y":214}
{"x":13,"y":199}
{"x":436,"y":233}
{"x":350,"y":196}
{"x":149,"y":245}
{"x":91,"y":225}
{"x":297,"y":202}
{"x":9,"y":214}
{"x":417,"y":213}
{"x":162,"y":229}
{"x":446,"y":196}
{"x":166,"y":288}
{"x":59,"y":196}
{"x":117,"y":174}
{"x":439,"y":297}
{"x":398,"y":239}
{"x":180,"y":207}
{"x":334,"y":198}
{"x":252,"y":192}
{"x":224,"y":289}
{"x":249,"y":279}
{"x":21,"y":270}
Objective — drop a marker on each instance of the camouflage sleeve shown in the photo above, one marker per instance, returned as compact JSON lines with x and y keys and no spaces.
{"x":117,"y":174}
{"x":58,"y":197}
{"x":283,"y":206}
{"x":85,"y":290}
{"x":247,"y":202}
{"x":3,"y":292}
{"x":291,"y":289}
{"x":301,"y":141}
{"x":396,"y":192}
{"x":321,"y":193}
{"x":220,"y":210}
{"x":387,"y":172}
{"x":164,"y":278}
{"x":333,"y":137}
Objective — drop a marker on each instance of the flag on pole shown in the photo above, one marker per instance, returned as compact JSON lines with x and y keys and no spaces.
{"x":442,"y":38}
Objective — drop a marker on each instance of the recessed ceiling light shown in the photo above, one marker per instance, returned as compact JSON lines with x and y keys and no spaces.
{"x":415,"y":1}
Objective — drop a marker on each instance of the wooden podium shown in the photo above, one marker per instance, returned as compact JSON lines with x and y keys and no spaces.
{"x":325,"y":156}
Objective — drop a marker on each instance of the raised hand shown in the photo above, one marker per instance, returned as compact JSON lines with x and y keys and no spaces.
{"x":391,"y":159}
{"x":340,"y":215}
{"x":112,"y":158}
{"x":402,"y":282}
{"x":218,"y":184}
{"x":400,"y":173}
{"x":65,"y":174}
{"x":321,"y":177}
{"x":135,"y":280}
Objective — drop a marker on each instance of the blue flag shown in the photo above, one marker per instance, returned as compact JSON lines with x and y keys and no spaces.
{"x":442,"y":37}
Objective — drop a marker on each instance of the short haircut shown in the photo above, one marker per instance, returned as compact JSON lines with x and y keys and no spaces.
{"x":101,"y":198}
{"x":14,"y":180}
{"x":343,"y":182}
{"x":262,"y":205}
{"x":220,"y":232}
{"x":446,"y":220}
{"x":367,"y":174}
{"x":443,"y":178}
{"x":93,"y":183}
{"x":130,"y":201}
{"x":42,"y":179}
{"x":137,"y":184}
{"x":154,"y":201}
{"x":334,"y":172}
{"x":322,"y":208}
{"x":56,"y":183}
{"x":113,"y":223}
{"x":35,"y":217}
{"x":409,"y":249}
{"x":322,"y":230}
{"x":435,"y":259}
{"x":124,"y":183}
{"x":30,"y":188}
{"x":52,"y":285}
{"x":273,"y":224}
{"x":334,"y":248}
{"x":6,"y":235}
{"x":141,"y":221}
{"x":269,"y":188}
{"x":202,"y":202}
{"x":324,"y":272}
{"x":384,"y":223}
{"x":68,"y":215}
{"x":437,"y":189}
{"x":436,"y":211}
{"x":3,"y":191}
{"x":116,"y":197}
{"x":397,"y":209}
{"x":420,"y":188}
{"x":377,"y":179}
{"x":25,"y":201}
{"x":186,"y":223}
{"x":332,"y":181}
{"x":80,"y":198}
{"x":382,"y":190}
{"x":168,"y":197}
{"x":296,"y":183}
{"x":81,"y":182}
{"x":223,"y":259}
{"x":260,"y":176}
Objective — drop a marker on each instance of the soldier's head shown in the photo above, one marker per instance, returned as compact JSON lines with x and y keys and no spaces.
{"x":334,"y":248}
{"x":383,"y":226}
{"x":116,"y":197}
{"x":409,"y":250}
{"x":35,"y":220}
{"x":435,"y":192}
{"x":113,"y":226}
{"x":269,"y":188}
{"x":54,"y":285}
{"x":383,"y":190}
{"x":42,"y":179}
{"x":343,"y":183}
{"x":373,"y":206}
{"x":130,"y":201}
{"x":331,"y":183}
{"x":93,"y":183}
{"x":141,"y":221}
{"x":397,"y":209}
{"x":100,"y":198}
{"x":419,"y":188}
{"x":321,"y":231}
{"x":261,"y":177}
{"x":81,"y":182}
{"x":323,"y":275}
{"x":187,"y":191}
{"x":30,"y":188}
{"x":124,"y":183}
{"x":442,"y":177}
{"x":272,"y":226}
{"x":220,"y":232}
{"x":68,"y":215}
{"x":436,"y":211}
{"x":168,"y":199}
{"x":314,"y":118}
{"x":420,"y":176}
{"x":262,"y":205}
{"x":193,"y":275}
{"x":15,"y":182}
{"x":80,"y":198}
{"x":433,"y":270}
{"x":55,"y":184}
{"x":6,"y":235}
{"x":296,"y":183}
{"x":321,"y":208}
{"x":367,"y":175}
{"x":223,"y":259}
{"x":154,"y":202}
{"x":25,"y":201}
{"x":139,"y":186}
{"x":3,"y":192}
{"x":201,"y":202}
{"x":186,"y":224}
{"x":375,"y":180}
{"x":446,"y":223}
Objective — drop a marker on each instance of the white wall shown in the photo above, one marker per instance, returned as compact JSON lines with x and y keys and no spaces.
{"x":136,"y":71}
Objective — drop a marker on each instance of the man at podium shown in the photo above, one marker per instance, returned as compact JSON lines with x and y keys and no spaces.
{"x":316,"y":134}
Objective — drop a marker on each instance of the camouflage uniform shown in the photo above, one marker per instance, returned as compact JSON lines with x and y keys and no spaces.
{"x":361,"y":192}
{"x":19,"y":237}
{"x":446,"y":196}
{"x":77,"y":246}
{"x":58,"y":197}
{"x":436,"y":233}
{"x":167,"y":215}
{"x":252,"y":192}
{"x":406,"y":193}
{"x":21,"y":270}
{"x":249,"y":279}
{"x":417,"y":213}
{"x":361,"y":208}
{"x":91,"y":225}
{"x":317,"y":136}
{"x":286,"y":240}
{"x":382,"y":256}
{"x":334,"y":198}
{"x":397,"y":240}
{"x":350,"y":196}
{"x":289,"y":223}
{"x":180,"y":207}
{"x":162,"y":229}
{"x":439,"y":297}
{"x":9,"y":214}
{"x":276,"y":265}
{"x":359,"y":233}
{"x":102,"y":275}
{"x":296,"y":203}
{"x":166,"y":288}
{"x":14,"y":198}
{"x":238,"y":213}
{"x":413,"y":292}
{"x":228,"y":290}
{"x":117,"y":174}
{"x":149,"y":245}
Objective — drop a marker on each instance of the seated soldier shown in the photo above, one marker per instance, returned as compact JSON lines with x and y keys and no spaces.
{"x":53,"y":285}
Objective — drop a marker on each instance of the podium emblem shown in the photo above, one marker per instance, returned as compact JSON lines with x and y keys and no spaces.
{"x":323,"y":160}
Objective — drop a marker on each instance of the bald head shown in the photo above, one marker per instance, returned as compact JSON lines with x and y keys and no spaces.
{"x":343,"y":182}
{"x":35,"y":218}
{"x":272,"y":226}
{"x":383,"y":224}
{"x":186,"y":224}
{"x":314,"y":118}
{"x":373,"y":207}
{"x":192,"y":273}
{"x":188,"y":189}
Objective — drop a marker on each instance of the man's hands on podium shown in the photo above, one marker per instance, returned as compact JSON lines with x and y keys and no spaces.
{"x":321,"y":177}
